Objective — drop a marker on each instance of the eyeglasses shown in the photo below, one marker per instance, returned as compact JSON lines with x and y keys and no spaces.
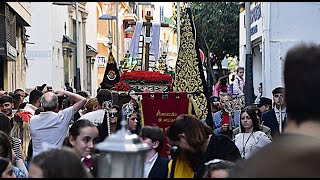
{"x":113,"y":114}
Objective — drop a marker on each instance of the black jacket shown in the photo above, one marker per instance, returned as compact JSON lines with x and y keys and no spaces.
{"x":219,"y":147}
{"x":159,"y":168}
{"x":269,"y":119}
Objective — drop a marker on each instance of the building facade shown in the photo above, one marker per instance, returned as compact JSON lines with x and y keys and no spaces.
{"x":15,"y":16}
{"x":275,"y":28}
{"x":52,"y":56}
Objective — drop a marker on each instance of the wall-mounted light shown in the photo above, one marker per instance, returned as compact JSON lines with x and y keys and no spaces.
{"x":93,"y":60}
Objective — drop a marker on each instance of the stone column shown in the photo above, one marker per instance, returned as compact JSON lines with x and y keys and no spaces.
{"x":84,"y":16}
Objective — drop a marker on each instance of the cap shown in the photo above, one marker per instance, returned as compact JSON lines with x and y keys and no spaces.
{"x":278,"y":90}
{"x":264,"y":101}
{"x":214,"y":99}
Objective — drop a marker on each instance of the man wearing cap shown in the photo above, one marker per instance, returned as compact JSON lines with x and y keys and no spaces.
{"x":272,"y":118}
{"x":264,"y":104}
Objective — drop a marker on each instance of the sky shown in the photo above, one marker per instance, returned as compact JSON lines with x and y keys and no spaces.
{"x":167,"y":10}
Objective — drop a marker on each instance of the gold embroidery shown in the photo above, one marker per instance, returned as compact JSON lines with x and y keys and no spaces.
{"x":187,"y":75}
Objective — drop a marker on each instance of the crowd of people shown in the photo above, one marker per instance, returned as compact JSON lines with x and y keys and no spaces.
{"x":48,"y":133}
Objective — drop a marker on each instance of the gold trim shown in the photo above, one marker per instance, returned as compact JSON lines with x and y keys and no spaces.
{"x":141,"y":115}
{"x":187,"y":75}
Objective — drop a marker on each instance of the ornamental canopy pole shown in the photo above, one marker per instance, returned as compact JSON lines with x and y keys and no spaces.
{"x":140,"y":93}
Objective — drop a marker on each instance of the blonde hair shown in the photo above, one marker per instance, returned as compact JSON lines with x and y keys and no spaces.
{"x":90,"y":105}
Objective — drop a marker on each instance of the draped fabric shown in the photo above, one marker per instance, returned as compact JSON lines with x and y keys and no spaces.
{"x":135,"y":40}
{"x":161,"y":109}
{"x":154,"y":48}
{"x":189,"y":74}
{"x":111,"y":74}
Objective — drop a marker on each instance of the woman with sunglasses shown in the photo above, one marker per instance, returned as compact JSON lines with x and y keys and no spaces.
{"x":251,"y":138}
{"x":113,"y":120}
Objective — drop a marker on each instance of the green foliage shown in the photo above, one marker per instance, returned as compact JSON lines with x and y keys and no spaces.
{"x":217,"y":28}
{"x":233,"y":62}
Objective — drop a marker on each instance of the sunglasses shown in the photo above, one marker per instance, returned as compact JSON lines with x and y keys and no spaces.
{"x":277,"y":95}
{"x":113,"y":114}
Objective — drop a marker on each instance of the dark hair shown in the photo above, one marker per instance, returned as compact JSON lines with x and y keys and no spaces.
{"x":195,"y":131}
{"x":154,"y":133}
{"x":17,"y":91}
{"x":74,"y":130}
{"x":5,"y":143}
{"x":104,"y":95}
{"x":277,"y":90}
{"x":217,"y":164}
{"x":4,"y":162}
{"x":240,"y":68}
{"x":83,"y":94}
{"x":60,"y":163}
{"x":301,"y":108}
{"x":253,"y":116}
{"x":22,"y":105}
{"x":67,"y":84}
{"x":6,"y":98}
{"x":5,"y":124}
{"x":35,"y":95}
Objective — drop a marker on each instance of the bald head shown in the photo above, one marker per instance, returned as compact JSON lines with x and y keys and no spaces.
{"x":49,"y":101}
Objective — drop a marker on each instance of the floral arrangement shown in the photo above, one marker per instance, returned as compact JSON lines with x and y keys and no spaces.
{"x":121,"y":86}
{"x":145,"y":76}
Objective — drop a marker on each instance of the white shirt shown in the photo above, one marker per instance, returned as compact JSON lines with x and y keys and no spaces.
{"x":249,"y":143}
{"x":48,"y":129}
{"x":148,"y":165}
{"x":238,"y":85}
{"x":283,"y":113}
{"x":96,"y":117}
{"x":30,"y":108}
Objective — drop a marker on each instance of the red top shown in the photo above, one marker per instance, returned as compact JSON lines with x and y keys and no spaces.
{"x":225,"y":119}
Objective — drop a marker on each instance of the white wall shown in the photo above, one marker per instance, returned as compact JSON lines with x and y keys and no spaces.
{"x":283,"y":25}
{"x":91,"y":33}
{"x":39,"y":54}
{"x":58,"y":18}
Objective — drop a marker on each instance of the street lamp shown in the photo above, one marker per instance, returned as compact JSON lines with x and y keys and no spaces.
{"x":109,"y":17}
{"x":122,"y":154}
{"x":76,"y":78}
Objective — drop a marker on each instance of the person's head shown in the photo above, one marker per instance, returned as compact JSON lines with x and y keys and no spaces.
{"x":240,"y":71}
{"x":301,"y":106}
{"x":224,"y":100}
{"x":188,"y":133}
{"x":114,"y":113}
{"x":260,"y":87}
{"x":6,"y":168}
{"x":103,"y":96}
{"x":249,"y":119}
{"x":34,"y":98}
{"x":218,"y":168}
{"x":20,"y":92}
{"x":153,"y":136}
{"x":6,"y":104}
{"x":83,"y":136}
{"x":223,"y":80}
{"x":264,"y":104}
{"x":17,"y":100}
{"x":277,"y":94}
{"x":91,"y":105}
{"x":5,"y":146}
{"x":83,"y":94}
{"x":5,"y":124}
{"x":67,"y":84}
{"x":49,"y":101}
{"x":57,"y":163}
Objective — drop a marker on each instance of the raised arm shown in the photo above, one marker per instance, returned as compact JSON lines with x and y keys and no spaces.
{"x":79,"y":100}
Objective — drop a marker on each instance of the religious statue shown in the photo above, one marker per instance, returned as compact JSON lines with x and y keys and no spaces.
{"x":129,"y":64}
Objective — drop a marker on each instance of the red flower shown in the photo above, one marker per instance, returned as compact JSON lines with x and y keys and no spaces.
{"x":25,"y":116}
{"x":146,"y":76}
